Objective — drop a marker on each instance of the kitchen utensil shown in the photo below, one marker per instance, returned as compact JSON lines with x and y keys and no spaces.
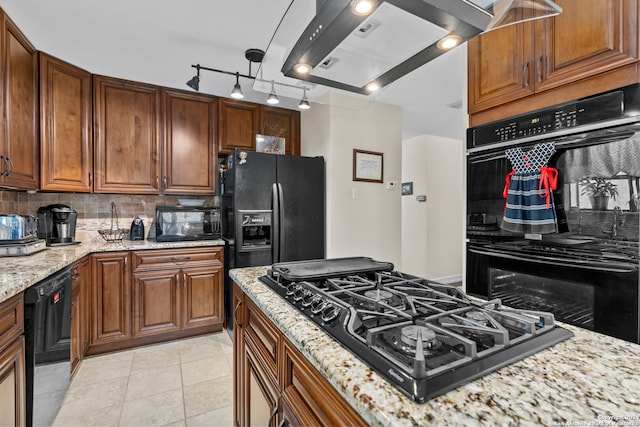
{"x":114,"y":234}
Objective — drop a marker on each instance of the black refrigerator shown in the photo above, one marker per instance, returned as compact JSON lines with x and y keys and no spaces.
{"x":272,"y":209}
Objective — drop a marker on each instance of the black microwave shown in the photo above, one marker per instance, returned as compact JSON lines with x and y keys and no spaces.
{"x":178,"y":223}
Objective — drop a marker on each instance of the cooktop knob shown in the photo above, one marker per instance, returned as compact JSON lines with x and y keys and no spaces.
{"x":292,"y":288}
{"x":318,"y":306}
{"x":330,"y":313}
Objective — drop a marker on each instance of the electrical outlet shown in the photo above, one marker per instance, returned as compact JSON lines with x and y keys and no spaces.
{"x":391,"y":185}
{"x":355,"y":193}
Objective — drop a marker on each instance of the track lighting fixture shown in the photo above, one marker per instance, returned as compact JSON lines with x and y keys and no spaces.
{"x":273,"y":97}
{"x":304,"y":102}
{"x":253,"y":55}
{"x":237,"y":90}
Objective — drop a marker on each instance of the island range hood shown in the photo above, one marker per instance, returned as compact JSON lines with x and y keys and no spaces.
{"x":361,"y":53}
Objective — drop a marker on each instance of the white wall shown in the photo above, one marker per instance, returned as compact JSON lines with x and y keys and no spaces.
{"x":432,"y":231}
{"x":369,"y":225}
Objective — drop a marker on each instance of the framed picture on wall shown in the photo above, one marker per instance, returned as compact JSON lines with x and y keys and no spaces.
{"x":367,"y":166}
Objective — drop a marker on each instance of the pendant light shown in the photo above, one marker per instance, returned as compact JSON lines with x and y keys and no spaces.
{"x":304,"y":102}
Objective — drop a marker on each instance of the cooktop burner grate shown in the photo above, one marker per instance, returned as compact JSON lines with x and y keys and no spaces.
{"x":424,"y":337}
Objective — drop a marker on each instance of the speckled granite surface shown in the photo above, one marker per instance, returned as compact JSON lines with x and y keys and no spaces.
{"x":590,"y":379}
{"x":18,"y":273}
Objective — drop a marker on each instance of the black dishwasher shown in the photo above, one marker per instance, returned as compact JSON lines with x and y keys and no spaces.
{"x":47,"y":321}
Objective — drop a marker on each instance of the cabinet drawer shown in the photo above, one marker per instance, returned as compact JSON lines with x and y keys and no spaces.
{"x":155,"y":259}
{"x":260,"y":332}
{"x":11,"y":320}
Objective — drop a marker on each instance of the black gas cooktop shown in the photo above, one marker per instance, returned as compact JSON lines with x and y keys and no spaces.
{"x":424,"y":337}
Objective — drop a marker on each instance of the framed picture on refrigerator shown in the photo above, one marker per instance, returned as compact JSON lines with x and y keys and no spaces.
{"x":367,"y":166}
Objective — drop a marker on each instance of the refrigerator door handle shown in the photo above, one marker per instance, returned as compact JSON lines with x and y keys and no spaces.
{"x":280,"y":220}
{"x":275,"y":237}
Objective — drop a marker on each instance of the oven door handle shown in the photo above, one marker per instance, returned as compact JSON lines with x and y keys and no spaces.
{"x":600,"y":266}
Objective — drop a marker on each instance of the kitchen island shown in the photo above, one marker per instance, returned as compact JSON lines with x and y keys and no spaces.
{"x":590,"y":379}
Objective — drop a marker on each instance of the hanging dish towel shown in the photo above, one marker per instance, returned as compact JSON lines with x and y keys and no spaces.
{"x":528,"y":192}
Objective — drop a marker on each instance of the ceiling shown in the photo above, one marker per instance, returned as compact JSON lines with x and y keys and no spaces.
{"x":157,"y":41}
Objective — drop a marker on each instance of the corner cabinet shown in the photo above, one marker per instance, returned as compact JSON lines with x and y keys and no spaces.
{"x":66,"y":145}
{"x":127,"y":136}
{"x":19,"y":127}
{"x":274,"y":384}
{"x":592,"y":46}
{"x":189,"y":158}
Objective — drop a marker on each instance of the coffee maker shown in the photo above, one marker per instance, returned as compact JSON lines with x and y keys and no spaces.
{"x":57,"y":225}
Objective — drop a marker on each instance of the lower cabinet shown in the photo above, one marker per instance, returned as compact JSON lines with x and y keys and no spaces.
{"x":274,"y":384}
{"x":79,"y":312}
{"x":168,"y":294}
{"x":12,"y":363}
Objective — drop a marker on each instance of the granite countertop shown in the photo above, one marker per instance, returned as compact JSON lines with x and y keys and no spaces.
{"x":591,"y":379}
{"x":18,"y":273}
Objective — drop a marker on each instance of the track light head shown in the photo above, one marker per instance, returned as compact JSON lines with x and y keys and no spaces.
{"x":194,"y":83}
{"x":304,"y":102}
{"x":237,"y":90}
{"x":273,"y":97}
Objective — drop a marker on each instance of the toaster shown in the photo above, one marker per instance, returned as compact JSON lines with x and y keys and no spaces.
{"x":18,"y":227}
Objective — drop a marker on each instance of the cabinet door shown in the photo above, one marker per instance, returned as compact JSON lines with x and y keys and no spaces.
{"x":12,"y":385}
{"x":311,"y":400}
{"x":500,"y":66}
{"x":80,"y":330}
{"x":111,"y":298}
{"x":237,"y":307}
{"x":127,"y":137}
{"x":19,"y":141}
{"x":260,"y":393}
{"x":66,"y":147}
{"x":76,"y":333}
{"x":156,"y":298}
{"x":202,"y":290}
{"x":284,"y":124}
{"x":238,"y":125}
{"x":189,"y":165}
{"x":589,"y":37}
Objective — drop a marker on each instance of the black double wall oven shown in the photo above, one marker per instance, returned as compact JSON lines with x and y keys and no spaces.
{"x":587,"y":272}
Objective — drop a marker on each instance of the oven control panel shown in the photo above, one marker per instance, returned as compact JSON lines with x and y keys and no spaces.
{"x":586,"y":111}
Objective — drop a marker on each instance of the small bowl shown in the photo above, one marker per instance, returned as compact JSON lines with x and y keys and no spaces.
{"x":191,"y":202}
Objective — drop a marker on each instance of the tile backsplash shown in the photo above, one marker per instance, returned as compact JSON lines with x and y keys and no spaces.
{"x":92,"y":208}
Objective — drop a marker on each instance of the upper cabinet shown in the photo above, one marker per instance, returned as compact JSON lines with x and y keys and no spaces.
{"x":238,"y":125}
{"x":592,"y":46}
{"x":127,"y":136}
{"x":189,"y":159}
{"x":66,"y":146}
{"x":19,"y":132}
{"x":239,"y":122}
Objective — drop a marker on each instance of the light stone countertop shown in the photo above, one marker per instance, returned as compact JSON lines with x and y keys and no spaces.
{"x":591,"y":379}
{"x":18,"y":273}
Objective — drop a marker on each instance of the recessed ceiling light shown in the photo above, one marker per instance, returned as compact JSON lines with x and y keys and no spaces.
{"x":449,"y":42}
{"x":302,"y":68}
{"x":363,"y":7}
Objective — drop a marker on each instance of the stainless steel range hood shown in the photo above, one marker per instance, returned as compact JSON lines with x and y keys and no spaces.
{"x":350,"y":51}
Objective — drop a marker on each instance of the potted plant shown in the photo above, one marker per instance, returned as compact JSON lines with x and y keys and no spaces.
{"x":599,"y":191}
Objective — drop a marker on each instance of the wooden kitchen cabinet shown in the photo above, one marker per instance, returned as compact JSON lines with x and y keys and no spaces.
{"x":111,"y":300}
{"x":66,"y":144}
{"x":127,"y":136}
{"x":80,"y":331}
{"x":282,"y":123}
{"x":12,"y":363}
{"x":19,"y":129}
{"x":274,"y":384}
{"x":189,"y":156}
{"x":592,"y":46}
{"x":177,"y":290}
{"x":238,"y":125}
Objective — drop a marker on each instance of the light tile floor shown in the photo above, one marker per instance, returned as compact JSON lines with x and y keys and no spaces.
{"x":186,"y":382}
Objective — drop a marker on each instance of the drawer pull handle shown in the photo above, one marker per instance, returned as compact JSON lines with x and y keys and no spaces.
{"x":525,"y":74}
{"x":179,"y":260}
{"x":235,"y":314}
